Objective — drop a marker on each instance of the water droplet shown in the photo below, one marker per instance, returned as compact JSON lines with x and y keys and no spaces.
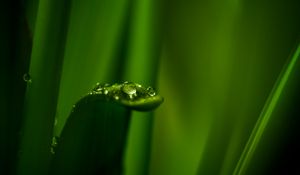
{"x":53,"y":144}
{"x":54,"y":141}
{"x":99,"y":88}
{"x":27,"y":78}
{"x":105,"y":91}
{"x":73,"y":108}
{"x":129,"y":89}
{"x":151,"y":91}
{"x":116,"y":97}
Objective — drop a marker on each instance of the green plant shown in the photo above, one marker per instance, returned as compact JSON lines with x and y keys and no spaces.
{"x":93,"y":139}
{"x":52,"y":86}
{"x":231,"y":107}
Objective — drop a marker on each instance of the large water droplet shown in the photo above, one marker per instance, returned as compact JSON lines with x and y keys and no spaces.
{"x":129,"y":89}
{"x":27,"y":78}
{"x":151,"y":91}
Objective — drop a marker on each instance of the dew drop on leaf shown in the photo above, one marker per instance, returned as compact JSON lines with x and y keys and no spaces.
{"x":27,"y":78}
{"x":129,"y":94}
{"x":151,"y":91}
{"x":116,"y":97}
{"x":129,"y":89}
{"x":53,"y":144}
{"x":105,"y":91}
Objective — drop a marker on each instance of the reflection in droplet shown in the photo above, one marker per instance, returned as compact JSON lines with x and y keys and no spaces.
{"x":27,"y":78}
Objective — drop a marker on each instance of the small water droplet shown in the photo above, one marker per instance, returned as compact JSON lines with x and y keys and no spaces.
{"x":105,"y":91}
{"x":73,"y":108}
{"x":27,"y":78}
{"x":54,"y":141}
{"x":53,"y":144}
{"x":116,"y":97}
{"x":99,"y":88}
{"x":151,"y":91}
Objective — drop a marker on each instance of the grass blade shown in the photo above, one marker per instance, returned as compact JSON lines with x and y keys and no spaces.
{"x":266,"y":115}
{"x":42,"y":87}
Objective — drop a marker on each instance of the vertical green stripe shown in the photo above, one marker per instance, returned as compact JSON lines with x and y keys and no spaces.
{"x":42,"y":92}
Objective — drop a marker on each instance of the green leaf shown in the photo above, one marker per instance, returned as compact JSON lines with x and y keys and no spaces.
{"x":93,"y":139}
{"x":42,"y":88}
